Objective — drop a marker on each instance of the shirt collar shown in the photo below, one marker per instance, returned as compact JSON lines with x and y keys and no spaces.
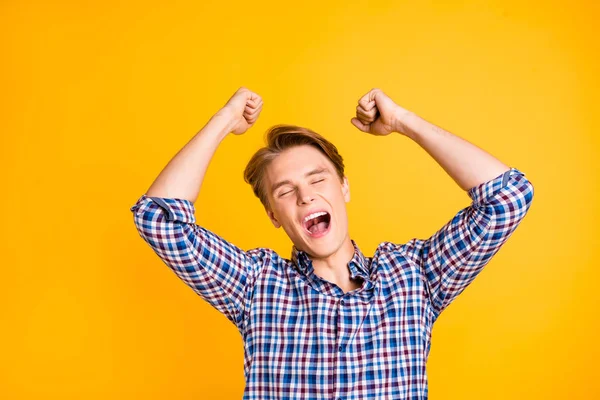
{"x":358,"y":263}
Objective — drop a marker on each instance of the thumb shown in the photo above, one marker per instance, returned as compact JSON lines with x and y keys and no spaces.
{"x":356,"y":122}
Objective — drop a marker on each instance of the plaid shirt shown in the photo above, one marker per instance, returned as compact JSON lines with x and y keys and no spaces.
{"x":304,"y":338}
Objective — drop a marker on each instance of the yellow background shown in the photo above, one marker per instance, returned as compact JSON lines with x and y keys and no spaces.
{"x":98,"y":96}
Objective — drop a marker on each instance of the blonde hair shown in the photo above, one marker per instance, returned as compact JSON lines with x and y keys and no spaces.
{"x":282,"y":137}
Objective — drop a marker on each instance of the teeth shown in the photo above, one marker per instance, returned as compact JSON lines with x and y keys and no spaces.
{"x":314,"y":215}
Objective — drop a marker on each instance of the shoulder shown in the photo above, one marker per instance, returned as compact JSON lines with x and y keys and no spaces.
{"x":408,"y":251}
{"x":263,"y":254}
{"x":268,"y":260}
{"x":399,"y":265}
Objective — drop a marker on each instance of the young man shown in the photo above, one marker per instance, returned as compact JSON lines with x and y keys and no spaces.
{"x":330,"y":323}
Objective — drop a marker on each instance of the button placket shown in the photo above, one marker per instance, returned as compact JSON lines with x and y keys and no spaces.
{"x":341,"y":303}
{"x":338,"y":339}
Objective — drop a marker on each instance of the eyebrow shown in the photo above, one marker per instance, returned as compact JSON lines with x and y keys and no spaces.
{"x":309,"y":173}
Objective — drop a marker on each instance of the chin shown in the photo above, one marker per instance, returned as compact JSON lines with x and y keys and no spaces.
{"x":323,"y":247}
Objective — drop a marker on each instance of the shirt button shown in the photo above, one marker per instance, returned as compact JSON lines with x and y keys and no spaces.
{"x":341,"y":348}
{"x":342,"y":302}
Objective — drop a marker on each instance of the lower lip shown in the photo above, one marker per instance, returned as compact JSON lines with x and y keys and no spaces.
{"x":321,"y":234}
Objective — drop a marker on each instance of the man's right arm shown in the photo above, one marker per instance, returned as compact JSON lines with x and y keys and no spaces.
{"x":183,"y":175}
{"x":217,"y":270}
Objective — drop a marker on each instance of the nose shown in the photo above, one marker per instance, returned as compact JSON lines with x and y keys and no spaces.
{"x":305,"y":196}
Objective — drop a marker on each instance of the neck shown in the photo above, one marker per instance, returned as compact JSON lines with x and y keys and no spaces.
{"x":334,"y":267}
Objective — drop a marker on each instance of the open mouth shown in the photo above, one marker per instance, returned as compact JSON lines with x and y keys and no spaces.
{"x":318,"y":226}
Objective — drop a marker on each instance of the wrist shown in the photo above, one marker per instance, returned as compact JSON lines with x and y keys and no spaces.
{"x":222,"y":123}
{"x":403,"y":121}
{"x":226,"y":119}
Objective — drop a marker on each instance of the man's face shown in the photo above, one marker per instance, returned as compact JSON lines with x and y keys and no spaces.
{"x":300,"y":182}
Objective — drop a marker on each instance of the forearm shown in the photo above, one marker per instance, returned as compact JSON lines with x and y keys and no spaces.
{"x":182,"y":177}
{"x":466,"y":163}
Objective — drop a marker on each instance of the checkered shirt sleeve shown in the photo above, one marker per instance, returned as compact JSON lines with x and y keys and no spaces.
{"x":453,"y":256}
{"x":218,"y":271}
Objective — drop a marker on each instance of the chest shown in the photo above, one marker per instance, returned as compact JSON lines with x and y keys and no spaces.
{"x":290,"y":319}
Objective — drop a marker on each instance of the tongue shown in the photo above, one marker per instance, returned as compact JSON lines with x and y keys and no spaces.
{"x":318,"y":228}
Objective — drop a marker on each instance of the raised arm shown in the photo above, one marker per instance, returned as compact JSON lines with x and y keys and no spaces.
{"x":466,"y":163}
{"x":183,"y":175}
{"x":452,"y":257}
{"x":218,"y":271}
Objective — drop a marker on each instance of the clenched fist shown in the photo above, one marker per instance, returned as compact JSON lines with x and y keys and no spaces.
{"x":377,"y":114}
{"x":242,"y":109}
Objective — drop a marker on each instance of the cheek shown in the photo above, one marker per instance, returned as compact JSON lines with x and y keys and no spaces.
{"x":285,"y":219}
{"x":336,"y":196}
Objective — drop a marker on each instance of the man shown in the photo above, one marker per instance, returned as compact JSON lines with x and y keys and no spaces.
{"x":330,"y":323}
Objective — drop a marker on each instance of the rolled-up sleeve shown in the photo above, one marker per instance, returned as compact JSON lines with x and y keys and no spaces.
{"x":218,"y":271}
{"x":453,"y":256}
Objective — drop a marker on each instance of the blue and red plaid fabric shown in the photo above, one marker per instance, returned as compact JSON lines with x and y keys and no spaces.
{"x":304,"y":338}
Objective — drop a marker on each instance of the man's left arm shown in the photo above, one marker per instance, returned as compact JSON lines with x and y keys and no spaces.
{"x":451,"y":258}
{"x":501,"y":196}
{"x":467,"y":164}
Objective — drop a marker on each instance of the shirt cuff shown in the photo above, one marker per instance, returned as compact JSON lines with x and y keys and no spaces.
{"x":483,"y":192}
{"x":174,"y":209}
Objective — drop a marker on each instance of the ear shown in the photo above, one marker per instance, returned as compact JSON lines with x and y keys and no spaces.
{"x":346,"y":189}
{"x":272,"y":218}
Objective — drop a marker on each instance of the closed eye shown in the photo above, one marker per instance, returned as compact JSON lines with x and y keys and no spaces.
{"x":290,"y":191}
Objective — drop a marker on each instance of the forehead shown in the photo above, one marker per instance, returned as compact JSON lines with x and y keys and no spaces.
{"x":294,"y":162}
